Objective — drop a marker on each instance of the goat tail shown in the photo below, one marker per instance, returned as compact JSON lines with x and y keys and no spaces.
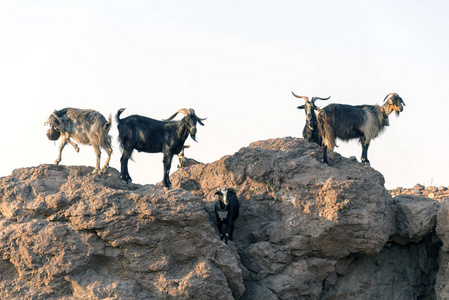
{"x":325,"y":130}
{"x":117,"y":116}
{"x":107,"y":125}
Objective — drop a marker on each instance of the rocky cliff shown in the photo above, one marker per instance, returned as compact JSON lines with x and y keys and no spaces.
{"x":305,"y":231}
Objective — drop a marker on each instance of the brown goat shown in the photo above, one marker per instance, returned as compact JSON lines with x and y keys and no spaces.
{"x":85,"y":126}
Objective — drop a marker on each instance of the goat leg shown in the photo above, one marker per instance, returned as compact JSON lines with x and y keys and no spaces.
{"x":77,"y":149}
{"x":106,"y":163}
{"x":124,"y":175}
{"x":98,"y":155}
{"x":167,"y":164}
{"x":228,"y":229}
{"x":365,"y":154}
{"x":220,"y":229}
{"x":61,"y":147}
{"x":325,"y":155}
{"x":231,"y":233}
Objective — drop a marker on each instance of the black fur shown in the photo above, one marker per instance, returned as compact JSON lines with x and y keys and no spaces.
{"x":227,"y":201}
{"x":310,"y":131}
{"x":347,"y":122}
{"x":153,"y":136}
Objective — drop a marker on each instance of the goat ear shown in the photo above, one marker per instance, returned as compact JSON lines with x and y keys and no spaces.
{"x":301,"y":107}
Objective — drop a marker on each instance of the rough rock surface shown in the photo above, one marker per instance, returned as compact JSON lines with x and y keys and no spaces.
{"x":305,"y":231}
{"x":432,"y":192}
{"x":416,"y":217}
{"x":442,"y":284}
{"x":67,"y":233}
{"x":299,"y":217}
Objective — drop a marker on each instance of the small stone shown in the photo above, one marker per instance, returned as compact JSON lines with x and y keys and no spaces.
{"x":418,"y":187}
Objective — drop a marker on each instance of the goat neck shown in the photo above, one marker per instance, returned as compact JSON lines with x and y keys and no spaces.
{"x":184,"y":130}
{"x":387,"y":109}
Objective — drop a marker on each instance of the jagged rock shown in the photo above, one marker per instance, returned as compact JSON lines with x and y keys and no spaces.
{"x":419,"y":187}
{"x":306,"y":230}
{"x":295,"y":208}
{"x":443,"y":224}
{"x":436,"y":193}
{"x":67,"y":233}
{"x":442,"y":286}
{"x":416,"y":218}
{"x":396,"y":273}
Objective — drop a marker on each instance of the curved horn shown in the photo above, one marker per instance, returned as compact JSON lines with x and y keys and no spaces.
{"x":389,"y":95}
{"x":183,"y":111}
{"x":57,"y":118}
{"x":303,"y":97}
{"x":318,"y":98}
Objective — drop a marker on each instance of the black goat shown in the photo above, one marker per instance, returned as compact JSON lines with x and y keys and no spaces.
{"x":184,"y":161}
{"x":348,"y":122}
{"x":227,"y":209}
{"x":153,"y":136}
{"x":85,"y":126}
{"x":310,"y":131}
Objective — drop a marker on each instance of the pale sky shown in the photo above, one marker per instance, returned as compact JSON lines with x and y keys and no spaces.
{"x":235,"y":63}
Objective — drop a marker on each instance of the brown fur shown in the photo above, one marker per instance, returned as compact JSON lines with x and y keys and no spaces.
{"x":85,"y":126}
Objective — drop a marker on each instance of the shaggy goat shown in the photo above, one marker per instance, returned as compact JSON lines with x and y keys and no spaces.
{"x":310,"y":131}
{"x":227,"y":209}
{"x":347,"y":122}
{"x":85,"y":126}
{"x":153,"y":136}
{"x":185,"y":161}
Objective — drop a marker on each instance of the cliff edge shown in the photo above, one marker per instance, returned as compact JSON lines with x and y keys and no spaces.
{"x":305,"y":231}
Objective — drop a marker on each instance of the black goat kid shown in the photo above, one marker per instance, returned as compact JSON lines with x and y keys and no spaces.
{"x":348,"y":122}
{"x":227,"y":209}
{"x":153,"y":136}
{"x":310,"y":131}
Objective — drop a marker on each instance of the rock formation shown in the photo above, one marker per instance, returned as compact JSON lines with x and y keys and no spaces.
{"x":67,"y":233}
{"x":305,"y":231}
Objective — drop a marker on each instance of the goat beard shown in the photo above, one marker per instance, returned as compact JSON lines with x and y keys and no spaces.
{"x":193,"y":137}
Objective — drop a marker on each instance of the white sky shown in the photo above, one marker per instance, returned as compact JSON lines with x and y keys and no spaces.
{"x":234,"y":62}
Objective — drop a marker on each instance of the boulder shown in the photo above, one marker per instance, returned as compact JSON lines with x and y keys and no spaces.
{"x":294,"y":210}
{"x":306,"y":230}
{"x":416,"y":218}
{"x":68,"y":233}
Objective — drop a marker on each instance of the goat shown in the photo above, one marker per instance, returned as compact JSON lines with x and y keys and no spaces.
{"x":310,"y":131}
{"x":85,"y":126}
{"x":227,"y":207}
{"x":348,"y":122}
{"x":185,"y":161}
{"x":154,"y":136}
